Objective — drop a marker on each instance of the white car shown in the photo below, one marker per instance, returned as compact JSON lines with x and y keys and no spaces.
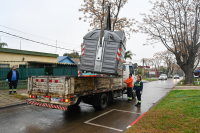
{"x":195,"y":76}
{"x":176,"y":76}
{"x":163,"y":76}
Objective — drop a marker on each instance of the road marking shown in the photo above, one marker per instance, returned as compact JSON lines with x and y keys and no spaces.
{"x":127,"y":111}
{"x":120,"y":130}
{"x":106,"y":127}
{"x":99,"y":116}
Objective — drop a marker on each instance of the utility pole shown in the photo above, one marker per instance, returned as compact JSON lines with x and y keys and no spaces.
{"x":20,"y":44}
{"x":56,"y":46}
{"x":143,"y":67}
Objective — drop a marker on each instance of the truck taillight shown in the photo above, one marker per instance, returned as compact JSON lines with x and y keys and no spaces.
{"x":47,"y":96}
{"x":66,"y":100}
{"x":62,"y":100}
{"x":32,"y":96}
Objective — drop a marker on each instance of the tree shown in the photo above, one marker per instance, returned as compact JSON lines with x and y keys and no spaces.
{"x":158,"y":60}
{"x":128,"y":54}
{"x":175,"y":23}
{"x":168,"y":59}
{"x":95,"y":12}
{"x":72,"y":55}
{"x":2,"y":44}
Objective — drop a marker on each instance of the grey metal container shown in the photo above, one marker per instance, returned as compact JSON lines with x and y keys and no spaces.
{"x":107,"y":59}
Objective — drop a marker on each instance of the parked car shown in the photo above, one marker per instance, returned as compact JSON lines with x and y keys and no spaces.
{"x":176,"y":76}
{"x":170,"y":76}
{"x":195,"y":76}
{"x":163,"y":76}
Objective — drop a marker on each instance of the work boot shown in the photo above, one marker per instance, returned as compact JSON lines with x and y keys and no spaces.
{"x":10,"y":92}
{"x":137,"y":104}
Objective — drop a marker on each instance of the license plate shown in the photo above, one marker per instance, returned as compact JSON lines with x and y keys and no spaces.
{"x":55,"y":99}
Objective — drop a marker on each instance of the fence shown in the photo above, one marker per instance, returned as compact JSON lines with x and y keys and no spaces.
{"x":22,"y":84}
{"x":25,"y":72}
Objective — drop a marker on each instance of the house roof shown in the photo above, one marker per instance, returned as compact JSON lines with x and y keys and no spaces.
{"x":76,"y":60}
{"x":16,"y":51}
{"x":61,"y":58}
{"x":40,"y":62}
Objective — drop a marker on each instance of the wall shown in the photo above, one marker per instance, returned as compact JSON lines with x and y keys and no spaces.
{"x":18,"y":57}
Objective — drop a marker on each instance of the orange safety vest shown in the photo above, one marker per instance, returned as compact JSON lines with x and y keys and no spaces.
{"x":129,"y":82}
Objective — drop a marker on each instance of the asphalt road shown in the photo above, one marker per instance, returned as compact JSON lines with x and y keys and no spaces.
{"x":82,"y":119}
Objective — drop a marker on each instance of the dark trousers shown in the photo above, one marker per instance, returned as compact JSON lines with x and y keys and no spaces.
{"x":129,"y":93}
{"x":11,"y":84}
{"x":138,"y":96}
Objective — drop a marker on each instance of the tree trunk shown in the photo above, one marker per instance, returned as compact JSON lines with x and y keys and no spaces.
{"x":188,"y":76}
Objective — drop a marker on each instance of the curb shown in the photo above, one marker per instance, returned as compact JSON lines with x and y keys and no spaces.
{"x":136,"y":120}
{"x":13,"y":105}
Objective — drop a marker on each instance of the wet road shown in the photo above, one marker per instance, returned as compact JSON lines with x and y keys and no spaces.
{"x":82,"y":119}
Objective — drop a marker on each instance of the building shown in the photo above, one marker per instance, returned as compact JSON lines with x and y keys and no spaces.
{"x":76,"y":60}
{"x":25,"y":59}
{"x":65,"y":59}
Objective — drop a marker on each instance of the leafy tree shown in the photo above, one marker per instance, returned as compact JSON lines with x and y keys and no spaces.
{"x":175,"y":23}
{"x":164,"y":70}
{"x":95,"y":12}
{"x":72,"y":55}
{"x":128,"y":54}
{"x":2,"y":44}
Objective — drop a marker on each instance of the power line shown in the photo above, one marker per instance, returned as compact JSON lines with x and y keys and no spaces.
{"x":35,"y":41}
{"x":35,"y":35}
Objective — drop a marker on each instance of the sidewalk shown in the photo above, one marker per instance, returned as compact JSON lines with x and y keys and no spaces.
{"x":11,"y":100}
{"x":186,"y":88}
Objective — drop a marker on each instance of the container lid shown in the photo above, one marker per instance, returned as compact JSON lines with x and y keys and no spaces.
{"x":108,"y":35}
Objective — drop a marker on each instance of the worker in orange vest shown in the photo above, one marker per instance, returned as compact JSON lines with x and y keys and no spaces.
{"x":129,"y":82}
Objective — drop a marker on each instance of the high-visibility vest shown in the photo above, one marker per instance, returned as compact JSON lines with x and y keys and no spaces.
{"x":137,"y":84}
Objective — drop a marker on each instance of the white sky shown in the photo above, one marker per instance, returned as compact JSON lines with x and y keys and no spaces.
{"x":59,"y":20}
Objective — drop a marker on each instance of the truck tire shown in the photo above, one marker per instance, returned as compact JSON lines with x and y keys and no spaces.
{"x":77,"y":103}
{"x":103,"y":101}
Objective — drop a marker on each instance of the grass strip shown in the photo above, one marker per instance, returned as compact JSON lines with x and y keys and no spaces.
{"x":179,"y":111}
{"x":148,"y":79}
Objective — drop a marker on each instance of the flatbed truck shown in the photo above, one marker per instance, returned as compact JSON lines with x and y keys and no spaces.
{"x":61,"y":92}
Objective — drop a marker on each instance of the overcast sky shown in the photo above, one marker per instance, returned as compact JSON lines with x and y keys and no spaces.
{"x":59,"y":20}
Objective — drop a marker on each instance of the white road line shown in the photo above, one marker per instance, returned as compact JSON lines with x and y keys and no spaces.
{"x":88,"y":122}
{"x":127,"y":111}
{"x":106,"y":127}
{"x":99,"y":116}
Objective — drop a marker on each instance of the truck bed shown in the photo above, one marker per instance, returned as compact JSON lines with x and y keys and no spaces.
{"x":69,"y":88}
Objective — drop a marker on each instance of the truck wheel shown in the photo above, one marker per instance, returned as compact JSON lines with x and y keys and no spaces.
{"x":103,"y":101}
{"x":77,"y":103}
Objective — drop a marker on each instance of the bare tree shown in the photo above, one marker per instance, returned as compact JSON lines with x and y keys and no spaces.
{"x":94,"y":13}
{"x":175,"y":23}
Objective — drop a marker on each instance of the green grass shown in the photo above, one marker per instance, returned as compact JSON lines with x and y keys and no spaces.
{"x":147,"y":79}
{"x":179,"y":111}
{"x":20,"y":96}
{"x":183,"y":80}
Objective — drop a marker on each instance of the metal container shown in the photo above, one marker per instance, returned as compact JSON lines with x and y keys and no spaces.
{"x":106,"y":58}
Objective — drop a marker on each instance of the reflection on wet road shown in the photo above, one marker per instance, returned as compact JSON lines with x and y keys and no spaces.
{"x":115,"y":118}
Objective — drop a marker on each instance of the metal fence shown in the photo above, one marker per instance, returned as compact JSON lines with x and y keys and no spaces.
{"x":53,"y":71}
{"x":22,"y":84}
